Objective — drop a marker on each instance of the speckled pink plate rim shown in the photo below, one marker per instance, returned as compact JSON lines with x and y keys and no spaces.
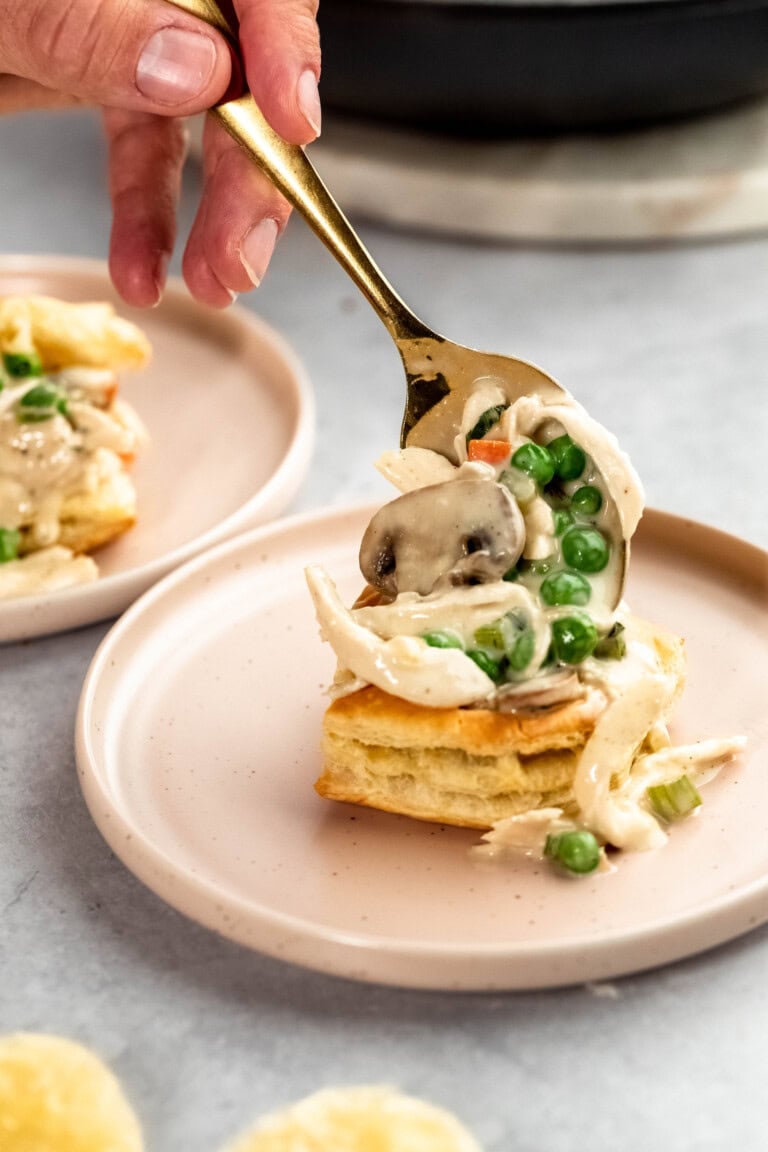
{"x":465,"y":963}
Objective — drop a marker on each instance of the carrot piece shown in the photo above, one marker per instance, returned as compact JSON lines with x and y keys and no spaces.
{"x":489,"y":451}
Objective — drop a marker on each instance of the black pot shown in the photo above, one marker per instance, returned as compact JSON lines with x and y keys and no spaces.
{"x":498,"y":67}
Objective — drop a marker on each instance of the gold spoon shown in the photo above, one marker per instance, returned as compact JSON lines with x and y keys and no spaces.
{"x":439,"y":374}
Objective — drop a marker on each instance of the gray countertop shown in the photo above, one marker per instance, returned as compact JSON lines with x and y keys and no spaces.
{"x":667,"y":346}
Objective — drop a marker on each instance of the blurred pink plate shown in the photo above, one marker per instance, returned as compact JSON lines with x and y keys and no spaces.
{"x":230,"y":416}
{"x":202,"y":784}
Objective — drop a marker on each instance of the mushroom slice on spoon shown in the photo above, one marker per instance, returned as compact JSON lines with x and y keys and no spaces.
{"x":459,"y":532}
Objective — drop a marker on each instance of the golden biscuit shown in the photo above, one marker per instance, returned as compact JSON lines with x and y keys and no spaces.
{"x":358,"y":1120}
{"x":56,"y":1096}
{"x":464,"y":766}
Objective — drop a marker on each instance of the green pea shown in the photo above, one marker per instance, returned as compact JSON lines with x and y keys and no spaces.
{"x":575,"y":851}
{"x":41,"y":403}
{"x":569,"y":460}
{"x":573,"y":638}
{"x":10,"y":541}
{"x":566,"y":588}
{"x":585,"y":549}
{"x":587,"y":501}
{"x":443,"y":638}
{"x":521,"y":653}
{"x":537,"y":461}
{"x":483,"y":426}
{"x":512,"y":575}
{"x":487,"y":664}
{"x":22,"y":364}
{"x":563,"y":520}
{"x":42,"y":396}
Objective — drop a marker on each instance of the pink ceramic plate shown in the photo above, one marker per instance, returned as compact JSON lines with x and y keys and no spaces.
{"x":230,"y":415}
{"x":203,"y":785}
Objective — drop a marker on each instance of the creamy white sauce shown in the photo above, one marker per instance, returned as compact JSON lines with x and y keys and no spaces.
{"x":412,"y":468}
{"x":487,"y":393}
{"x":610,"y":751}
{"x":539,"y":529}
{"x":404,"y":666}
{"x":381,"y":644}
{"x":43,"y":463}
{"x":48,"y":570}
{"x":524,"y":834}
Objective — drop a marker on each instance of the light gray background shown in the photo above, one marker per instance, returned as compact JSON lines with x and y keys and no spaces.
{"x":668,"y":347}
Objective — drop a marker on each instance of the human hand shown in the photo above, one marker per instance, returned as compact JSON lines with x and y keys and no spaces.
{"x":148,"y":64}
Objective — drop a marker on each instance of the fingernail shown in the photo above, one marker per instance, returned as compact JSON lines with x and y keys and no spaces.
{"x":308,"y":98}
{"x":161,"y":275}
{"x":256,"y":249}
{"x":175,"y":65}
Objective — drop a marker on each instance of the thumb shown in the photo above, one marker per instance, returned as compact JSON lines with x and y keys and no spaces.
{"x":135,"y":54}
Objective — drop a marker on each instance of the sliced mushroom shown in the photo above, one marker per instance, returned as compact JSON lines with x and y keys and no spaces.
{"x":542,"y":692}
{"x":458,"y":532}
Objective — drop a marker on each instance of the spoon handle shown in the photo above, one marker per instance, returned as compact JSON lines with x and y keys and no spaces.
{"x":293,"y":174}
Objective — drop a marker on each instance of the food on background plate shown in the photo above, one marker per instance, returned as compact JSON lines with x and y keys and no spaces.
{"x":361,"y":1119}
{"x":56,"y":1096}
{"x":490,"y":675}
{"x":66,"y":439}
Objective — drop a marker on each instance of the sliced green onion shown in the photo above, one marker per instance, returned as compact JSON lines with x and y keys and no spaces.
{"x":22,"y":364}
{"x":587,"y":500}
{"x":569,"y":460}
{"x":519,"y":484}
{"x":563,"y":520}
{"x":10,"y":541}
{"x":576,"y":851}
{"x":565,"y":588}
{"x":613,"y":646}
{"x":521,"y":653}
{"x":539,"y":567}
{"x":443,"y":638}
{"x":487,"y":664}
{"x":495,"y":635}
{"x":585,"y":549}
{"x":536,"y":461}
{"x":573,"y":638}
{"x":512,"y":575}
{"x":510,"y":635}
{"x":674,"y":800}
{"x":483,"y":426}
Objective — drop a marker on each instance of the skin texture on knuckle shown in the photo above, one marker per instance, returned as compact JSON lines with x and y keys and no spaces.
{"x":78,"y":48}
{"x":145,"y":158}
